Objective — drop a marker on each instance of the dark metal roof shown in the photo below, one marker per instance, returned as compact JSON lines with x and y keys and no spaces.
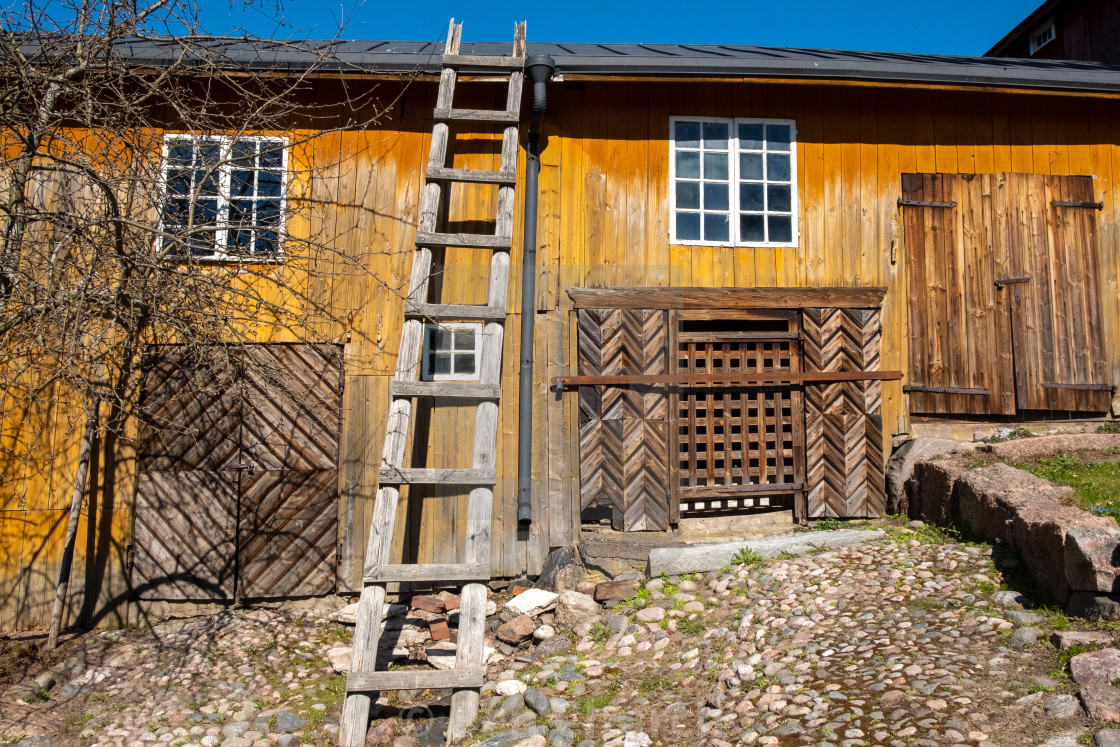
{"x":685,"y":60}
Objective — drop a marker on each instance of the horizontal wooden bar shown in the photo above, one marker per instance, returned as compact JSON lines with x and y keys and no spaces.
{"x":737,"y":336}
{"x":446,"y":312}
{"x":446,"y":389}
{"x":477,"y":115}
{"x":1010,"y":281}
{"x":427,"y":572}
{"x":419,"y":679}
{"x":1076,"y":204}
{"x":925,"y":203}
{"x":917,"y":389}
{"x":483,"y":62}
{"x":472,"y":240}
{"x":699,"y":492}
{"x":424,"y":476}
{"x":866,"y":297}
{"x":727,"y":379}
{"x":1080,"y":387}
{"x":474,"y":176}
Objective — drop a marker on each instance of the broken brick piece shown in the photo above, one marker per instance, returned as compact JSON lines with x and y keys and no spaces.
{"x":428,"y":604}
{"x":438,"y":629}
{"x":451,"y":602}
{"x":519,"y":589}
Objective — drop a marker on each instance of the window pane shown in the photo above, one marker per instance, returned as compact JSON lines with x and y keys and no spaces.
{"x":777,"y":137}
{"x":750,"y":137}
{"x":440,"y":339}
{"x":464,"y":339}
{"x":778,"y":197}
{"x":464,"y":364}
{"x":243,"y":153}
{"x":688,"y":165}
{"x":179,"y":182}
{"x":271,"y":155}
{"x":180,"y":153}
{"x":209,"y":155}
{"x":440,"y":363}
{"x":268,"y":184}
{"x":268,"y":212}
{"x":715,"y":165}
{"x":750,"y":197}
{"x":688,"y":226}
{"x":777,"y":168}
{"x":715,"y":136}
{"x":781,"y":227}
{"x":239,"y":241}
{"x":716,"y":227}
{"x":206,"y":212}
{"x":715,"y":196}
{"x":750,"y":166}
{"x":752,"y":228}
{"x":687,"y":134}
{"x":241,"y":213}
{"x":268,"y":242}
{"x":208,"y":178}
{"x":688,"y":195}
{"x":241,"y":183}
{"x":176,"y":212}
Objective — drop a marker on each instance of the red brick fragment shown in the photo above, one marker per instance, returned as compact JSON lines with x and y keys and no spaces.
{"x":428,"y":604}
{"x":519,"y":589}
{"x":438,"y":629}
{"x":451,"y":602}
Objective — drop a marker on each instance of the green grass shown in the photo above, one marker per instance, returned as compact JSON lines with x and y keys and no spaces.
{"x":827,"y":524}
{"x":1096,"y":485}
{"x":747,"y":556}
{"x":787,"y":555}
{"x":589,"y":704}
{"x":692,"y":627}
{"x":1112,"y":426}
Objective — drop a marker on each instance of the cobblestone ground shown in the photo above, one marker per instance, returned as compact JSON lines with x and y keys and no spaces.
{"x":902,"y":641}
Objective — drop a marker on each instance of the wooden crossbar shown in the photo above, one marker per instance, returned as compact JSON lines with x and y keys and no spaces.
{"x":467,"y":675}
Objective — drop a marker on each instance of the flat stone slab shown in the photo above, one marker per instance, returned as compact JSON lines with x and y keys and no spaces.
{"x":675,"y":561}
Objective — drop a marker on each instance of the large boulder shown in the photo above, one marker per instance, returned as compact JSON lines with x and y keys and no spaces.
{"x":929,"y":491}
{"x":572,"y":608}
{"x":562,"y":570}
{"x":901,"y":466}
{"x":1092,"y":557}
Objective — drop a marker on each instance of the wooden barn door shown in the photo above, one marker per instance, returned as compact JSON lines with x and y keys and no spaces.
{"x":1004,"y":306}
{"x":736,"y":447}
{"x":623,"y":437}
{"x":237,"y":490}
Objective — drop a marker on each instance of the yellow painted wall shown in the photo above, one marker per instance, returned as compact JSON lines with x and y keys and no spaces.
{"x":603,"y":222}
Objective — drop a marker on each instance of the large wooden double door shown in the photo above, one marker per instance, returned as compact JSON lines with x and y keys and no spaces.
{"x":237,"y":491}
{"x":1004,"y":302}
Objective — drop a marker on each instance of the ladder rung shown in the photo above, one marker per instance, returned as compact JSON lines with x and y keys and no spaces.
{"x":483,"y":62}
{"x":477,"y":115}
{"x":475,"y":176}
{"x":420,"y":679}
{"x":424,"y":476}
{"x":473,"y":240}
{"x":466,"y":390}
{"x":427,"y":572}
{"x":447,"y":312}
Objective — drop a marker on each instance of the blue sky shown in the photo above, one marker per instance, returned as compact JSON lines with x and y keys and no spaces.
{"x":967,"y":27}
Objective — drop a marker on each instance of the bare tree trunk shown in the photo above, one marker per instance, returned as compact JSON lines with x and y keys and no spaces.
{"x":72,"y":525}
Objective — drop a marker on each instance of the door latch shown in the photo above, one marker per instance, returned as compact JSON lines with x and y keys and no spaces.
{"x":1010,"y":281}
{"x":248,"y":467}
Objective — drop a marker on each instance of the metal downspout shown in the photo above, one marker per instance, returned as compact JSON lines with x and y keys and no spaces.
{"x":539,"y":70}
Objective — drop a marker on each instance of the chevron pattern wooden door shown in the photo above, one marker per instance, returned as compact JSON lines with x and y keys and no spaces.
{"x":624,"y":430}
{"x":843,"y":421}
{"x":237,"y":493}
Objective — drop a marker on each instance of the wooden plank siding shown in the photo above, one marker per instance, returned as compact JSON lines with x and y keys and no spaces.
{"x":603,"y":221}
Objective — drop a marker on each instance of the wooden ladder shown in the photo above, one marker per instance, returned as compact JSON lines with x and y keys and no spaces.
{"x":363,"y":682}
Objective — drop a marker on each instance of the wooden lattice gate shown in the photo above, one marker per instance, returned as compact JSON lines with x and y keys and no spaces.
{"x":237,"y":491}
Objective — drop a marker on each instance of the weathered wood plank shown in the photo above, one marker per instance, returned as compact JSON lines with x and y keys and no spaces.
{"x":470,"y":240}
{"x":726,"y":298}
{"x":446,"y":389}
{"x":472,"y":176}
{"x":424,"y":679}
{"x":475,"y":115}
{"x":483,"y":62}
{"x":445,"y":312}
{"x":424,"y":476}
{"x":428,"y":572}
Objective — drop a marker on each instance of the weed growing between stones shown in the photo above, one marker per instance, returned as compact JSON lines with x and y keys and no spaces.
{"x":748,"y":557}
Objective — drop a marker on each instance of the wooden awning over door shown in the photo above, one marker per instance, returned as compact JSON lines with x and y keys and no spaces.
{"x":1004,"y":305}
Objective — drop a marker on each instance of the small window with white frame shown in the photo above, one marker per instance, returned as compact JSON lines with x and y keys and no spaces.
{"x":733,"y":181}
{"x":1043,"y":35}
{"x":224,"y":196}
{"x":451,"y":351}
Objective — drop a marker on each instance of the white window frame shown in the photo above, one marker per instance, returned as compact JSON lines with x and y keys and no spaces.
{"x":1035,"y":45}
{"x":733,"y":182}
{"x":225,"y":167}
{"x":426,"y":372}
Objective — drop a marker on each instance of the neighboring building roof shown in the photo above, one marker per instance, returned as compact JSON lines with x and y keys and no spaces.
{"x":650,"y":60}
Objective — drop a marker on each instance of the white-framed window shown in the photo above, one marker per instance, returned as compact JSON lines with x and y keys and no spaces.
{"x":1043,"y":35}
{"x":733,"y":181}
{"x":224,"y":196}
{"x":451,"y":351}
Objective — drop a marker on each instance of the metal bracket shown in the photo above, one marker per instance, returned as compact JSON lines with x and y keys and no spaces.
{"x":1010,"y":281}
